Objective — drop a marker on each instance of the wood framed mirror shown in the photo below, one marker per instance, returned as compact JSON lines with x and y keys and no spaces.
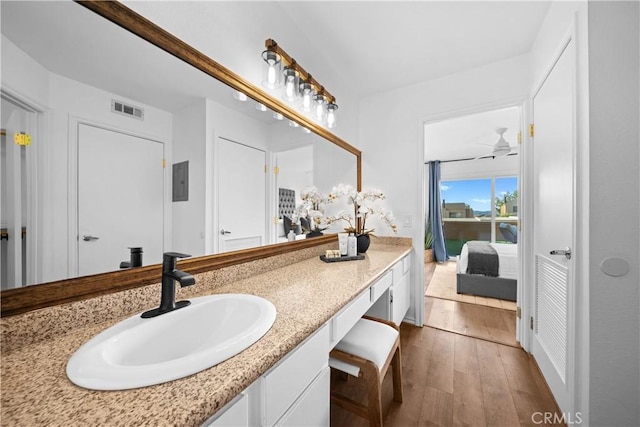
{"x":23,"y":299}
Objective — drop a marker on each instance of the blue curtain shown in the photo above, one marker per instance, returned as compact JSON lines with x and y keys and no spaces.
{"x":435,"y":213}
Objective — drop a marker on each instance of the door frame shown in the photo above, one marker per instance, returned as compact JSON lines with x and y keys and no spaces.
{"x":578,"y":345}
{"x":40,"y":117}
{"x":72,"y":189}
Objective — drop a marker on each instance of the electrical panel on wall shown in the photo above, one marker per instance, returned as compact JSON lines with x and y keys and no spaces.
{"x":181,"y":181}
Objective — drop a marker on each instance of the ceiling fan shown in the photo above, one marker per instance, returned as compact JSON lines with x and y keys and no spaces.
{"x":501,"y":147}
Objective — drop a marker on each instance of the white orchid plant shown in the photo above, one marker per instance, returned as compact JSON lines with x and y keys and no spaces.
{"x":312,"y":208}
{"x":364,"y":206}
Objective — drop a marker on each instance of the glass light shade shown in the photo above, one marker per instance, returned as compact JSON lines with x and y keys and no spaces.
{"x":260,"y":107}
{"x":272,"y":77}
{"x":307,"y":94}
{"x":239,"y":96}
{"x":293,"y":124}
{"x":332,"y":115}
{"x":319,"y":112}
{"x":277,"y":116}
{"x":291,"y":85}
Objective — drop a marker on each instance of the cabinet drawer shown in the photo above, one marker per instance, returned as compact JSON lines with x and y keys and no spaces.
{"x":406,"y":264}
{"x":287,"y":380}
{"x":312,"y":409}
{"x":378,"y":288}
{"x":235,"y":414}
{"x":343,"y":322}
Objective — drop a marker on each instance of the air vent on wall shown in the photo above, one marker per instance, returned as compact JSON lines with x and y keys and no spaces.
{"x":127,"y":109}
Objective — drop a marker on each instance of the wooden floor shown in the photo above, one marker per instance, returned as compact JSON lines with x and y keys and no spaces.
{"x":492,"y":324}
{"x":454,"y":380}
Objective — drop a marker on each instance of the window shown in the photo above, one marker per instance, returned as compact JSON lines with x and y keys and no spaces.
{"x":469,"y":212}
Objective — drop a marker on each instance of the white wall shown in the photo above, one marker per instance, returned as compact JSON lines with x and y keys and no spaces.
{"x":296,"y":169}
{"x":188,"y":217}
{"x":391,"y":135}
{"x":614,"y":98}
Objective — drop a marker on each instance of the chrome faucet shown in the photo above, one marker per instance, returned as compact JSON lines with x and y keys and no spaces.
{"x":169,"y":276}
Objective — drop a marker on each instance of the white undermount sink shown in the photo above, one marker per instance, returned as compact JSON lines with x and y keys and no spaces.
{"x":140,"y":352}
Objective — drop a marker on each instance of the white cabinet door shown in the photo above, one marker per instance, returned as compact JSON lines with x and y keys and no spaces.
{"x":401,"y":299}
{"x":284,"y":383}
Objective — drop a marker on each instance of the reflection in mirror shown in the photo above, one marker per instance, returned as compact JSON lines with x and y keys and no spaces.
{"x":133,"y":148}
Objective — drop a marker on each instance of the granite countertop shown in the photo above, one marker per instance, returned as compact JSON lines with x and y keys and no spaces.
{"x":36,"y":391}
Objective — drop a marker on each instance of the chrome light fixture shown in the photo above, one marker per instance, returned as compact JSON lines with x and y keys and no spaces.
{"x":291,"y":90}
{"x":332,"y":119}
{"x":272,"y":77}
{"x":308,"y":93}
{"x":299,"y":87}
{"x":239,"y":96}
{"x":319,"y":107}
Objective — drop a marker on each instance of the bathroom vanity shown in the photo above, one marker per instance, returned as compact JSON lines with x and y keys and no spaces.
{"x":282,"y":379}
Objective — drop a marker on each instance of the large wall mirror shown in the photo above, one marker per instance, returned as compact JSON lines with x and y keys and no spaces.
{"x":138,"y":140}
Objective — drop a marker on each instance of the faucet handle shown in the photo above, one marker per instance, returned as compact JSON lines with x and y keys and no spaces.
{"x":175,"y":255}
{"x":169,"y":260}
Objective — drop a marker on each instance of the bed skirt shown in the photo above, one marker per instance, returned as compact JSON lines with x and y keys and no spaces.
{"x":485,"y":286}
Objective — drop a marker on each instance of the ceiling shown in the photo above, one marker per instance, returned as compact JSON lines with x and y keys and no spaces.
{"x":381,"y":45}
{"x":471,"y":136}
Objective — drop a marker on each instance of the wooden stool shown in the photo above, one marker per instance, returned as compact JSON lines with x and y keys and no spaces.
{"x":366,"y":352}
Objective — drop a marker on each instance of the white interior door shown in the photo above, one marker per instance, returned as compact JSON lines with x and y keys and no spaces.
{"x":120,"y":199}
{"x":553,"y":225}
{"x":242,"y":208}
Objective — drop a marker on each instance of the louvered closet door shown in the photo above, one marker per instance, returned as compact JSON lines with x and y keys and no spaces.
{"x":553,"y":147}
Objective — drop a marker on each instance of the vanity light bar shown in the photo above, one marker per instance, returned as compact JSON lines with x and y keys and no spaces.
{"x":272,"y":46}
{"x":129,"y":110}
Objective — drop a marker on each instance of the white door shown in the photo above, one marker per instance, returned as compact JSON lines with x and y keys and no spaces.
{"x":242,"y":208}
{"x":120,"y":199}
{"x":553,"y":225}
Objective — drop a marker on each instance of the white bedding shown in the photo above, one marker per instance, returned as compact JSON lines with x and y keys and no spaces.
{"x":507,"y":255}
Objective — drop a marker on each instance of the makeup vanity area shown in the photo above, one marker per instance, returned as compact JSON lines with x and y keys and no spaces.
{"x":283,"y":379}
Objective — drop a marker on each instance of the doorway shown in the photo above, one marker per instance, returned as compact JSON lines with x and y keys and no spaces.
{"x":18,"y":180}
{"x":479,"y":169}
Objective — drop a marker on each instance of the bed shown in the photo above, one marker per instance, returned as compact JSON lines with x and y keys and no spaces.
{"x":488,"y":270}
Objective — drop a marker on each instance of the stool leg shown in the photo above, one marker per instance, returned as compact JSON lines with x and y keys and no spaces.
{"x":375,"y":396}
{"x":396,"y":365}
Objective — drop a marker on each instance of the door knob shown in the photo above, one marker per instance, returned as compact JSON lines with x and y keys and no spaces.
{"x":88,"y":238}
{"x":223,"y":232}
{"x":566,"y":252}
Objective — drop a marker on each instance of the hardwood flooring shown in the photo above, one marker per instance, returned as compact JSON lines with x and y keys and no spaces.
{"x":455,"y":380}
{"x":488,"y":320}
{"x":492,"y":324}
